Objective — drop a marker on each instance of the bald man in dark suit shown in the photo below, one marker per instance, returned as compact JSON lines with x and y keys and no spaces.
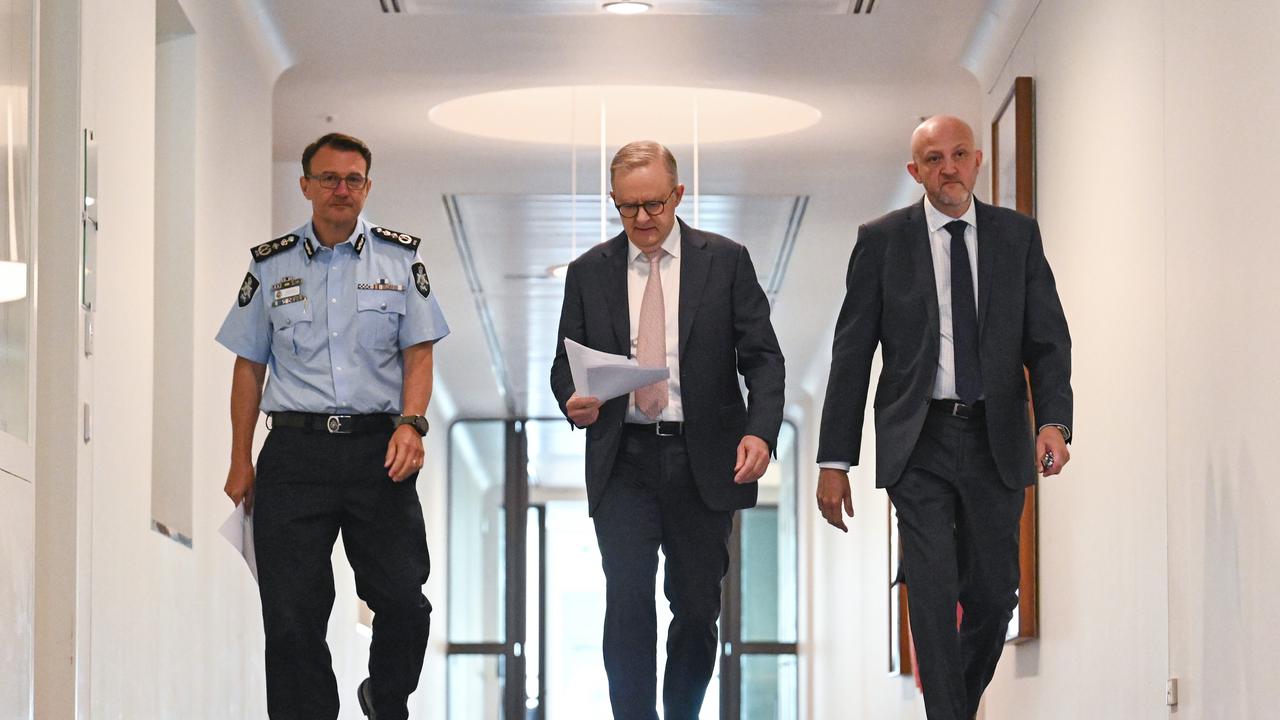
{"x":960,"y":298}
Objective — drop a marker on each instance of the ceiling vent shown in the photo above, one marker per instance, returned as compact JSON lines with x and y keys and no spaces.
{"x":861,"y":7}
{"x":391,"y":7}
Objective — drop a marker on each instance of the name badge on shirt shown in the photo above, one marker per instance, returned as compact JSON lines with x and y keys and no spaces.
{"x":288,"y":290}
{"x":382,"y":284}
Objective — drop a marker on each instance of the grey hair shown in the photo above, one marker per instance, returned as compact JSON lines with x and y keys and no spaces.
{"x":638,"y":154}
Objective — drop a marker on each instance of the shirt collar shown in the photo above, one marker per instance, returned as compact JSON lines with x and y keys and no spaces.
{"x":671,"y":244}
{"x":357,"y":238}
{"x":936,"y":219}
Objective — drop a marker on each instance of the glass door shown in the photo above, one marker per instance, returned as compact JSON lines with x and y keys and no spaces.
{"x":527,"y":593}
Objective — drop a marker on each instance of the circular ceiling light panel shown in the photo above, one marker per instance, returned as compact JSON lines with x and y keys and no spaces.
{"x":573,"y":114}
{"x":627,"y":8}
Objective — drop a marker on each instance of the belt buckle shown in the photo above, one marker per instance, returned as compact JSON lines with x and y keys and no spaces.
{"x":657,"y":428}
{"x":335,"y":425}
{"x":955,"y":410}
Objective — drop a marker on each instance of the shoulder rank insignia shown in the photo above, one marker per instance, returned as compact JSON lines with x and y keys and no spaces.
{"x":267,"y":249}
{"x":420,"y":280}
{"x":405,"y":241}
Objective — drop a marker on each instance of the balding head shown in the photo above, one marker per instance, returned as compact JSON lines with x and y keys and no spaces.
{"x":945,"y":161}
{"x":932,"y":128}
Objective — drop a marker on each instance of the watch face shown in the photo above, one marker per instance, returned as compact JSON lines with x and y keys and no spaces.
{"x":418,"y":422}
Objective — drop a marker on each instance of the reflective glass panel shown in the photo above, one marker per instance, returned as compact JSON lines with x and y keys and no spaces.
{"x":770,"y":687}
{"x":769,"y":563}
{"x":475,"y":687}
{"x":477,"y":532}
{"x":15,"y":220}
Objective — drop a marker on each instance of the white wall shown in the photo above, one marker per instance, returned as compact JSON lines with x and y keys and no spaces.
{"x":175,"y":631}
{"x":1222,"y":107}
{"x":1100,"y":161}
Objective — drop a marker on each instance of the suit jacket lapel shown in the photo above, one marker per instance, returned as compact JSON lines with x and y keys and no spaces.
{"x":615,"y":291}
{"x":922,"y":258}
{"x":988,"y":235}
{"x":695,"y":263}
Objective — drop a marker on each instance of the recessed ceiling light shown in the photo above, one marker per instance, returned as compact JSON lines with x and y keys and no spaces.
{"x":558,"y":271}
{"x":564,"y":114}
{"x":627,"y":8}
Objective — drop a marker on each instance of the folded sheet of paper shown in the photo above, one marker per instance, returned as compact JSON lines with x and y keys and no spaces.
{"x":607,"y":376}
{"x":238,"y":530}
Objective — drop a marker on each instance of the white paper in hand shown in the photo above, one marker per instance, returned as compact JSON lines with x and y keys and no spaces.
{"x":238,"y":530}
{"x":606,"y":376}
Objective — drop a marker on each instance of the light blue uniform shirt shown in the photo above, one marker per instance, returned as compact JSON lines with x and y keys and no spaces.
{"x":330,"y":323}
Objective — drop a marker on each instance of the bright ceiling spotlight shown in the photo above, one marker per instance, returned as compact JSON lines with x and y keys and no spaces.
{"x":558,"y":271}
{"x":627,"y":8}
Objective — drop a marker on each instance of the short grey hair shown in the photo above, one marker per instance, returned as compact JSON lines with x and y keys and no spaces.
{"x":638,"y":154}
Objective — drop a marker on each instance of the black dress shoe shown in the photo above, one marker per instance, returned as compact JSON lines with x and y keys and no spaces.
{"x":366,"y":700}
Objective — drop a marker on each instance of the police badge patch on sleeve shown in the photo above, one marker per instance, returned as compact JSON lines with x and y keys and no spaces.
{"x":248,"y":289}
{"x":420,"y":280}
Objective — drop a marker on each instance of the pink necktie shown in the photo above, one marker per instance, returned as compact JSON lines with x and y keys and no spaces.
{"x":651,"y":339}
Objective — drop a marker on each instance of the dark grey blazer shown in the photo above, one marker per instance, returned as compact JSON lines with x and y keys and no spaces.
{"x":891,"y":300}
{"x":724,"y":330}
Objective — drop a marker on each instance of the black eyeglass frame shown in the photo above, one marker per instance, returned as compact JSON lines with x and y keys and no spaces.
{"x":652,"y":208}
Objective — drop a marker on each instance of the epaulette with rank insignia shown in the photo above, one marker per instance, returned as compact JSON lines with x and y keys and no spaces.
{"x":406,"y":241}
{"x":267,"y":249}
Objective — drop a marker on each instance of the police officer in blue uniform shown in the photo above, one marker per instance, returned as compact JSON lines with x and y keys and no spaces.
{"x":339,"y":319}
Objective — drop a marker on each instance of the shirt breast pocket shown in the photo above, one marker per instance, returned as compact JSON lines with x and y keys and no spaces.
{"x":288,"y":321}
{"x":378,"y":316}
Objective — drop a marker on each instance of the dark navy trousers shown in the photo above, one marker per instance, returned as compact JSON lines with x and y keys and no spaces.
{"x":310,"y":486}
{"x":959,"y":527}
{"x":652,"y":504}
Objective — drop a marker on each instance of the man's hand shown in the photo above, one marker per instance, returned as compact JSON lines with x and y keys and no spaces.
{"x":404,"y":453}
{"x":753,"y":459}
{"x":240,"y":484}
{"x":1051,"y":440}
{"x":583,"y":410}
{"x":833,"y":496}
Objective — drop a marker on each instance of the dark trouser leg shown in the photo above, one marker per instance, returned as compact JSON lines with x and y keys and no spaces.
{"x":987,"y":539}
{"x":385,"y":541}
{"x":926,"y":503}
{"x":695,"y":541}
{"x":295,"y":522}
{"x":628,"y":529}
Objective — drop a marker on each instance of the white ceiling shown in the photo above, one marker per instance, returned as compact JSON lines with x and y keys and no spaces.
{"x":377,"y":75}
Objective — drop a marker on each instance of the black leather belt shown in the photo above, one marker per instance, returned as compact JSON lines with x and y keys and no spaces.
{"x":662,"y":428}
{"x":955,"y":408}
{"x":332,"y":424}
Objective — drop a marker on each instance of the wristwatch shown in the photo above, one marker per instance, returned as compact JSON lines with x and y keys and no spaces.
{"x":418,"y":422}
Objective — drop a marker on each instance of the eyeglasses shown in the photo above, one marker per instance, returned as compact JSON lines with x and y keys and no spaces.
{"x":329,"y":181}
{"x":651,"y":207}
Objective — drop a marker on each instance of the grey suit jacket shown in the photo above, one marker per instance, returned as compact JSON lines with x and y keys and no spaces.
{"x":724,"y":330}
{"x":891,"y":300}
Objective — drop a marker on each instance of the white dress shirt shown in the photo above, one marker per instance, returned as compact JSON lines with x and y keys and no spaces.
{"x":637,"y":277}
{"x":944,"y":380}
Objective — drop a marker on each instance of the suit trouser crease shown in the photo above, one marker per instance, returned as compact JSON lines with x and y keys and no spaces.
{"x":959,"y":528}
{"x":652,"y":503}
{"x":311,"y":486}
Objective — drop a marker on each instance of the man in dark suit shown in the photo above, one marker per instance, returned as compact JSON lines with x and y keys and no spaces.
{"x":669,"y":464}
{"x":954,"y":444}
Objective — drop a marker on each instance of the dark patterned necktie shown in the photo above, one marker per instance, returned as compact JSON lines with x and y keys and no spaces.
{"x":964,"y":318}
